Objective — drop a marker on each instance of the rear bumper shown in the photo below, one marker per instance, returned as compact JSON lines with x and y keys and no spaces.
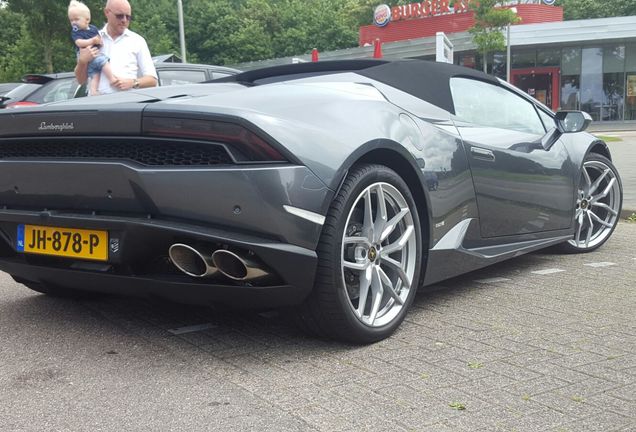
{"x":140,"y":265}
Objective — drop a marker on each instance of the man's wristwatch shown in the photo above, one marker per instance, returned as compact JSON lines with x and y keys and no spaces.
{"x":135,"y":83}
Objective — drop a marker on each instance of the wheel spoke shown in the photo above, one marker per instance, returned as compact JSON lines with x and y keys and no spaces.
{"x":377,"y":292}
{"x":365,"y":282}
{"x":579,"y":228}
{"x":599,"y":220}
{"x":400,"y":243}
{"x":381,"y":214}
{"x":356,"y":240}
{"x":607,"y":190}
{"x":588,"y":180}
{"x":598,"y":181}
{"x":367,"y":225}
{"x":395,"y":220}
{"x":389,"y":286}
{"x":355,"y":265}
{"x":406,"y":283}
{"x":606,"y":207}
{"x":589,"y":230}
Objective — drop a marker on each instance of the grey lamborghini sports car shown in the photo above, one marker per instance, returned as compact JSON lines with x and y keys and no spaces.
{"x":333,"y":189}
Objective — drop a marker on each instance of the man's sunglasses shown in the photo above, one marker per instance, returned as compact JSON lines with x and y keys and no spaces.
{"x":122,"y":16}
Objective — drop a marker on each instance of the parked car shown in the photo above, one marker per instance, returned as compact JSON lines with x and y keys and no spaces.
{"x":44,"y":88}
{"x":188,"y":73}
{"x":6,"y":87}
{"x":305,"y":186}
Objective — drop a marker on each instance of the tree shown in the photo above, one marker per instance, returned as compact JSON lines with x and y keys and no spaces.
{"x":490,"y":21}
{"x":584,"y":9}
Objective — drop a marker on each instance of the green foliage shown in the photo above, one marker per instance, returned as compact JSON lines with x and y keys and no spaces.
{"x":459,"y":406}
{"x":584,"y":9}
{"x":233,"y":31}
{"x":216,"y":31}
{"x":489,"y":25}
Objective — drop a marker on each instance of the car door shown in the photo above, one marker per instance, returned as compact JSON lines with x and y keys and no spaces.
{"x":521,"y":187}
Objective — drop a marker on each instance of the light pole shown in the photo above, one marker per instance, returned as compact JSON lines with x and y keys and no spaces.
{"x":508,"y":59}
{"x":181,"y":34}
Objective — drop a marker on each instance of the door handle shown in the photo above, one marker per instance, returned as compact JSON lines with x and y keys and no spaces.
{"x":482,"y":153}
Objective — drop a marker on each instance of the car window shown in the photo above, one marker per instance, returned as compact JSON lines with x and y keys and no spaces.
{"x":56,"y":90}
{"x":548,"y":120}
{"x":22,"y":91}
{"x":216,"y":75}
{"x":490,"y":105}
{"x":172,"y":77}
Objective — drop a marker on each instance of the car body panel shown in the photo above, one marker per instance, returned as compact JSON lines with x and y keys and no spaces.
{"x":323,"y":123}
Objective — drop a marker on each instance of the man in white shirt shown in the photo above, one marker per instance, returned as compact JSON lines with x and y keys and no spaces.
{"x":129,"y":55}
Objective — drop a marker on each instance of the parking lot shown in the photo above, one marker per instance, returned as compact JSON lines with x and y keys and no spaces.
{"x":544,"y":342}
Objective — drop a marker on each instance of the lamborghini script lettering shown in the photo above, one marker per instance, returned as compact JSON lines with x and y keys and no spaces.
{"x":56,"y":127}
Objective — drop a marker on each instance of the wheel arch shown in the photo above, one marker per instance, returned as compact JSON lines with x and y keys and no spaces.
{"x":405,"y":166}
{"x":600,"y":147}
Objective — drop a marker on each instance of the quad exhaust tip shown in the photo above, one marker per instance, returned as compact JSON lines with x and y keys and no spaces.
{"x":195,"y":262}
{"x":201,"y":262}
{"x":237,"y":267}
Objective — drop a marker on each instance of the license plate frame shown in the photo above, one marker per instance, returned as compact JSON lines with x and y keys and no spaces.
{"x":65,"y":242}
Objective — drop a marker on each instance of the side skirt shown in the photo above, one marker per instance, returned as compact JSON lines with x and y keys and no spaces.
{"x":449,"y":258}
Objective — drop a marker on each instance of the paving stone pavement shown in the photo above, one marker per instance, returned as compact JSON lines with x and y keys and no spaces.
{"x":544,"y":342}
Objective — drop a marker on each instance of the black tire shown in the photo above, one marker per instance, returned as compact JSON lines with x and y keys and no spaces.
{"x":330,"y":311}
{"x":598,"y":207}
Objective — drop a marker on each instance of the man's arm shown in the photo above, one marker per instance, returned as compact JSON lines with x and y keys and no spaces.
{"x":81,"y":68}
{"x":129,"y":83}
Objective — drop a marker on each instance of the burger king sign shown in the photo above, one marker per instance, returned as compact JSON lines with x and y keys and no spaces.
{"x":382,"y":15}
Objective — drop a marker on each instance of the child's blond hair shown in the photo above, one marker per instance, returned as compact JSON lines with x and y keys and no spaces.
{"x":79,"y":7}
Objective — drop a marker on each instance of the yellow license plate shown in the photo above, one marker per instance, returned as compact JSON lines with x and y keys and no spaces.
{"x":64,"y":242}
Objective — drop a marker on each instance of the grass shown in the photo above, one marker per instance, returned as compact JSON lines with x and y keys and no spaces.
{"x":632,"y":218}
{"x":457,"y":406}
{"x":609,"y":138}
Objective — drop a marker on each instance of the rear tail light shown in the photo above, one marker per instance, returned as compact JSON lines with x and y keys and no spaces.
{"x":20,"y":104}
{"x":250,"y":145}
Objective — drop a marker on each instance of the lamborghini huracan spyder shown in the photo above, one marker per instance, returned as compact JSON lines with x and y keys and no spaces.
{"x":334,"y":189}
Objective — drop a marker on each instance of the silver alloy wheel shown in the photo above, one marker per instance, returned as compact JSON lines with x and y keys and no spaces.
{"x":379,"y":252}
{"x":597,"y":205}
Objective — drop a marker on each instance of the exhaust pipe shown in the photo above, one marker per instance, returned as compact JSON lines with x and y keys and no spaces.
{"x":196,"y":262}
{"x":237,"y":267}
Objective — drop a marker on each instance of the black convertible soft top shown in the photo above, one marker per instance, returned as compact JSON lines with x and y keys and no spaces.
{"x":426,"y":80}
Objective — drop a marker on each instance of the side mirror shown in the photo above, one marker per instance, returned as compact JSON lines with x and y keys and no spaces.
{"x":572,"y":121}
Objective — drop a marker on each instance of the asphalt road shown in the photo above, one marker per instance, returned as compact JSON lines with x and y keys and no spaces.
{"x":543,"y":342}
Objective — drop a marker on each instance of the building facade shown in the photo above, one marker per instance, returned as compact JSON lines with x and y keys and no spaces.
{"x":586,"y":64}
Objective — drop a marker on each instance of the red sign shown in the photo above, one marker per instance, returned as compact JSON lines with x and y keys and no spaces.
{"x":428,"y":8}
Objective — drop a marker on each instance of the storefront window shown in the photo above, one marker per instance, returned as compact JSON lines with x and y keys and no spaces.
{"x":548,"y":57}
{"x":570,"y":92}
{"x":630,"y":82}
{"x":571,"y":61}
{"x":498,"y":62}
{"x":613,"y":79}
{"x":524,"y":59}
{"x":592,"y":81}
{"x":613,"y":90}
